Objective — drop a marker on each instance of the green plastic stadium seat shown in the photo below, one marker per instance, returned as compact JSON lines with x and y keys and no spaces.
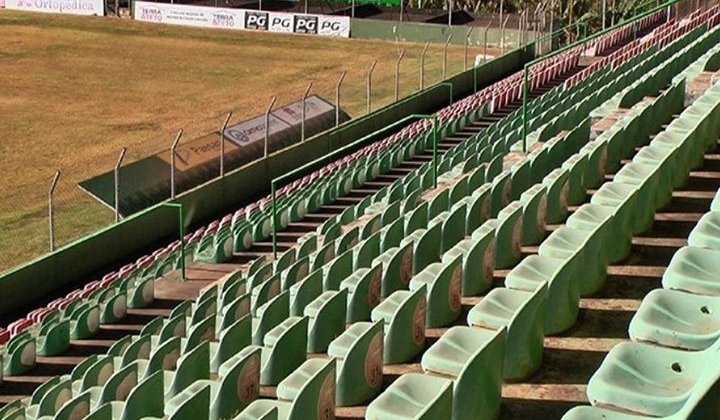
{"x":478,"y":261}
{"x":694,"y":270}
{"x":295,"y":273}
{"x":53,"y":338}
{"x":622,"y":198}
{"x":366,"y":251}
{"x":306,"y":394}
{"x":326,"y":319}
{"x":426,"y":246}
{"x":190,"y":404}
{"x":269,"y":315}
{"x":649,"y":192}
{"x":443,"y":283}
{"x":192,"y":365}
{"x":20,"y":355}
{"x":52,"y":400}
{"x":304,"y":292}
{"x":469,"y":356}
{"x":84,"y":321}
{"x":534,"y":202}
{"x":414,"y":396}
{"x":231,"y":340}
{"x":337,"y":270}
{"x":583,"y":247}
{"x":263,"y":292}
{"x":500,"y":193}
{"x":348,"y":240}
{"x":283,"y":350}
{"x":238,"y":386}
{"x":563,"y":294}
{"x":392,"y":234}
{"x":557,"y":185}
{"x":363,"y":287}
{"x":478,"y":207}
{"x":233,"y":311}
{"x":520,"y":178}
{"x":508,"y":236}
{"x":145,"y":400}
{"x":397,"y":268}
{"x":359,"y":355}
{"x":706,"y":233}
{"x":677,"y":319}
{"x":439,"y":203}
{"x":203,"y":332}
{"x":403,"y":314}
{"x":577,"y":166}
{"x":655,"y":381}
{"x":141,"y":292}
{"x":119,"y":385}
{"x":523,"y":315}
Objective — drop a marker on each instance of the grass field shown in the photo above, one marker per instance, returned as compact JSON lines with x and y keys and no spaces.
{"x":76,"y":89}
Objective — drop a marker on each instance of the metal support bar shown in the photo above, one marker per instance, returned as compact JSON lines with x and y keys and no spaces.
{"x":397,"y":74}
{"x":172,"y":163}
{"x":502,"y":36}
{"x":444,"y":63}
{"x":116,"y":173}
{"x":51,"y":210}
{"x":302,"y":129}
{"x":267,"y":125}
{"x":222,"y":144}
{"x":324,"y":159}
{"x":181,"y":232}
{"x":422,"y":66}
{"x":368,"y":86}
{"x":337,"y":98}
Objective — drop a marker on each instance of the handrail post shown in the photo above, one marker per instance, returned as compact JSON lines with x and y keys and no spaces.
{"x":267,"y":125}
{"x":181,"y":232}
{"x":172,"y":163}
{"x":397,"y":74}
{"x":273,"y":187}
{"x":337,"y":97}
{"x":368,"y":85}
{"x":51,"y":209}
{"x":222,"y":144}
{"x":304,"y":99}
{"x":435,"y":150}
{"x":116,"y":173}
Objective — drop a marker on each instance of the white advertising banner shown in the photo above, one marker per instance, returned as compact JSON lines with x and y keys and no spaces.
{"x":72,"y":7}
{"x":178,"y":14}
{"x":216,"y":17}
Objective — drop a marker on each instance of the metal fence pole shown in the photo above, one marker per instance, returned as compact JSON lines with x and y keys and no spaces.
{"x":368,"y":84}
{"x":397,"y":74}
{"x":267,"y":124}
{"x":487,"y":28}
{"x":307,"y":91}
{"x":502,"y":36}
{"x":337,"y":98}
{"x":172,"y":163}
{"x":117,"y":183}
{"x":422,"y":66}
{"x":450,"y":12}
{"x":444,"y":64}
{"x":222,"y":144}
{"x":521,"y":28}
{"x":51,"y":210}
{"x":502,"y":29}
{"x":465,"y":52}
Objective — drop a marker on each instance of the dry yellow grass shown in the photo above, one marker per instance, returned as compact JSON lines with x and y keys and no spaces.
{"x":76,"y":89}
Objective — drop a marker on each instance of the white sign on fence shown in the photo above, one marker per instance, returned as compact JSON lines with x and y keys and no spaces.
{"x":73,"y":7}
{"x":220,"y":17}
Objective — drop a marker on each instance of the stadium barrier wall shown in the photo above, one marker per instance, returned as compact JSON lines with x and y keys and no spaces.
{"x":432,"y":32}
{"x":106,"y":249}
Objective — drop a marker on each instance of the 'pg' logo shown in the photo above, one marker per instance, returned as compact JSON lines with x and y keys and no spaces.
{"x":305,"y":24}
{"x":256,"y":20}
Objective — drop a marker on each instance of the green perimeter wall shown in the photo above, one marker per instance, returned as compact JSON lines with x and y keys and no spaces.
{"x":113,"y":245}
{"x":432,"y":32}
